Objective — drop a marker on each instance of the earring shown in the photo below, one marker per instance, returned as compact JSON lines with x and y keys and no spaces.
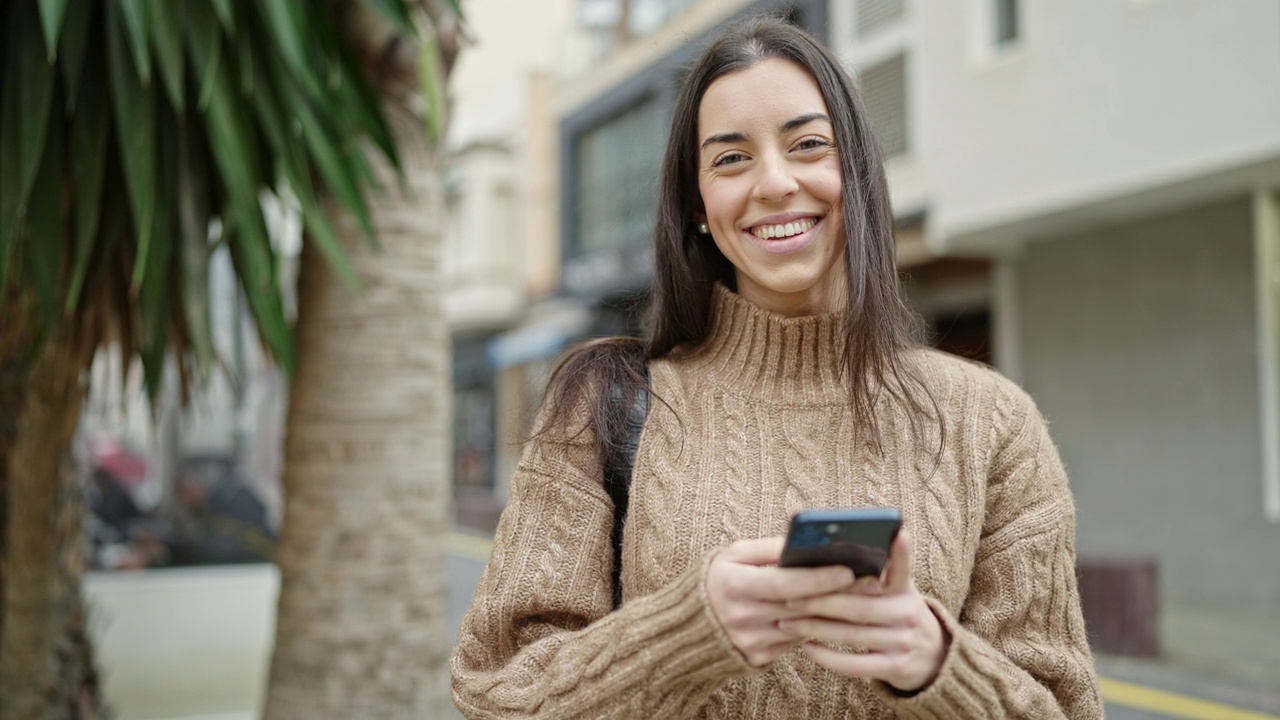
{"x":704,"y":229}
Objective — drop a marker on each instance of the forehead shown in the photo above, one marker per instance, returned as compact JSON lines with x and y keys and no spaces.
{"x":763,"y":96}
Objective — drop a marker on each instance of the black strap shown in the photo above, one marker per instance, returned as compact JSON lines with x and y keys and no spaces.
{"x":617,"y":474}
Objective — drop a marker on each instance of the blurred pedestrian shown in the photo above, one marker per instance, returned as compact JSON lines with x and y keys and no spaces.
{"x":784,"y":377}
{"x":219,"y":519}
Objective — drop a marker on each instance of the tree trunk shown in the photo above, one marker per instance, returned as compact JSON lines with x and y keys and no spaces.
{"x":363,"y":614}
{"x":46,"y":669}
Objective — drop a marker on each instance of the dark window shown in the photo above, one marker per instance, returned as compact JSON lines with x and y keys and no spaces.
{"x":617,"y":172}
{"x":967,"y":335}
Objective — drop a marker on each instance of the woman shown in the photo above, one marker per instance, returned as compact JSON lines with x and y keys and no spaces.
{"x":785,"y":379}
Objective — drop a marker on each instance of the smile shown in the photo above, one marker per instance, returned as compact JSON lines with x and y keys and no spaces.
{"x":784,"y":230}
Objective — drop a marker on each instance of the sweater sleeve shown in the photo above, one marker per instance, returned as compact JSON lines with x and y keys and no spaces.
{"x":541,"y":638}
{"x":1018,"y":648}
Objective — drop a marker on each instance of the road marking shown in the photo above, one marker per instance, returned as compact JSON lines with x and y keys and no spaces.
{"x":1141,"y":697}
{"x":1138,"y":697}
{"x":470,"y":547}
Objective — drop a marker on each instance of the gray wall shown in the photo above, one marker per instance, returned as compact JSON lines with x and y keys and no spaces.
{"x":1140,"y":347}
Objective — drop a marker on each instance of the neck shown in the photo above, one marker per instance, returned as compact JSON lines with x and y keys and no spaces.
{"x":826,"y":297}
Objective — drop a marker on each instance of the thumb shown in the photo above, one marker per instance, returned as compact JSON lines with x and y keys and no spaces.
{"x":897,"y":576}
{"x":758,"y":551}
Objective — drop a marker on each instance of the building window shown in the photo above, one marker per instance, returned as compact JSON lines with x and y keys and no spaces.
{"x":884,"y":93}
{"x":617,"y":174}
{"x":875,"y":15}
{"x":1005,"y":19}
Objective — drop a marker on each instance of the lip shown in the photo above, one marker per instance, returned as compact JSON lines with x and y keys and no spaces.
{"x":783,"y":218}
{"x":783,"y":246}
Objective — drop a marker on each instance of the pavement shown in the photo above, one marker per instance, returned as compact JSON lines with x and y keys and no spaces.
{"x":194,"y":645}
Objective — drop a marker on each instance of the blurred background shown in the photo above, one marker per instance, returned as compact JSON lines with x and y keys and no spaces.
{"x":1087,"y":197}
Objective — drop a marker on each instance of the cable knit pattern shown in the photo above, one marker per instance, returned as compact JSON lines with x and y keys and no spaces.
{"x":756,"y":425}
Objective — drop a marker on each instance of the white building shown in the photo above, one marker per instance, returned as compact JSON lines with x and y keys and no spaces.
{"x":1118,"y":163}
{"x":502,"y":246}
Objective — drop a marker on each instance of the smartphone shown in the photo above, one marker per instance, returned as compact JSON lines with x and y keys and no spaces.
{"x":857,"y":537}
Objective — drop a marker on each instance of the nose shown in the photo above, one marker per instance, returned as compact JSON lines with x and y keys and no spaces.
{"x":776,"y":182}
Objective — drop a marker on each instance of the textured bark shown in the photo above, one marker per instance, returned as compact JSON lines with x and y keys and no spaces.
{"x":14,"y":343}
{"x":362,"y":621}
{"x":46,"y":668}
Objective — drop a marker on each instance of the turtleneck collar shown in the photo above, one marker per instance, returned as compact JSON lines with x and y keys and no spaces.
{"x":756,"y":353}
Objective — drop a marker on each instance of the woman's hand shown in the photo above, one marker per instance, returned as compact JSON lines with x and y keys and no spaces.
{"x":749,"y":599}
{"x":901,"y":641}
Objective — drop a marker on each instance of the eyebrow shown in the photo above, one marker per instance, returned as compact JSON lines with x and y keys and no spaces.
{"x":786,"y":127}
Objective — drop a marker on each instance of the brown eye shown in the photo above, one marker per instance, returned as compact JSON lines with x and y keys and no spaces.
{"x":812,"y":143}
{"x":728,"y":159}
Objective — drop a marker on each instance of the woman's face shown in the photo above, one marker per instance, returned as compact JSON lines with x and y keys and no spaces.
{"x":769,"y":177}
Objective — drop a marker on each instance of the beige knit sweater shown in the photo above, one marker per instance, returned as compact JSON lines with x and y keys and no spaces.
{"x":755,"y":426}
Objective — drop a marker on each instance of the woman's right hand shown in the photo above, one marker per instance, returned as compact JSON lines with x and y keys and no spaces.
{"x":748,"y":595}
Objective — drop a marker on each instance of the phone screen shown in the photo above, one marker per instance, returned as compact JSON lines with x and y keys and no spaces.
{"x":859,"y":538}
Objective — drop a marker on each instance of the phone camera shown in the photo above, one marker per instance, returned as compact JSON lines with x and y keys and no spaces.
{"x":809,"y":535}
{"x":832,"y":528}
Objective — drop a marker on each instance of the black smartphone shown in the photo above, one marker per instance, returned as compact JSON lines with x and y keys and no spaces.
{"x":857,"y":537}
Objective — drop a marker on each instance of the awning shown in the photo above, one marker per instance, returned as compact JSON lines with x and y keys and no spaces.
{"x":544,"y":335}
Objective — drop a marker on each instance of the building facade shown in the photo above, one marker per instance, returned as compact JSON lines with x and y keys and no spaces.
{"x":1115,"y":164}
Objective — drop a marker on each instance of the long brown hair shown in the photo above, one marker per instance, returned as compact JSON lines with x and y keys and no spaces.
{"x":878,"y":328}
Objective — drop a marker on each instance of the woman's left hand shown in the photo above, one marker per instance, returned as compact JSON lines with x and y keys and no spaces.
{"x":900,"y":640}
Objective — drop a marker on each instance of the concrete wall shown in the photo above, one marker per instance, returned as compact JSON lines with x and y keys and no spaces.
{"x":1096,"y":99}
{"x":184,"y":642}
{"x":1138,"y":343}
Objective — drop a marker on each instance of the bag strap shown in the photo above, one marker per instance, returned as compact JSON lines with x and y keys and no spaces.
{"x":617,"y":473}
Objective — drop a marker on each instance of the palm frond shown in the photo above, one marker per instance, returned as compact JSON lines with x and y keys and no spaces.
{"x":130,"y":129}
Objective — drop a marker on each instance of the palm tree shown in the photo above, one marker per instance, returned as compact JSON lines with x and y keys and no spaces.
{"x":136,"y":136}
{"x":361,"y":630}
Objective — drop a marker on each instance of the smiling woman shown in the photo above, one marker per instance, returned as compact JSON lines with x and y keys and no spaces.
{"x":786,"y":378}
{"x":769,"y":176}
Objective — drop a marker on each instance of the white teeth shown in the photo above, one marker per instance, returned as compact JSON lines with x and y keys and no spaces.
{"x":768,"y":232}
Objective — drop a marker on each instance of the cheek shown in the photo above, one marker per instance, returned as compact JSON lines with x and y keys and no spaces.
{"x":718,"y":203}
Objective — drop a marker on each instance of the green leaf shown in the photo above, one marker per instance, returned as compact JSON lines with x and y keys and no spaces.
{"x":357,"y":99}
{"x":135,"y":113}
{"x":321,"y":232}
{"x":263,"y":293}
{"x":44,"y":242}
{"x":396,"y":12}
{"x":244,"y":44}
{"x":329,"y":157}
{"x":89,"y":138}
{"x":233,"y":152}
{"x":194,"y":210}
{"x":166,"y":32}
{"x":51,"y":13}
{"x":225,"y":15}
{"x":137,"y":19}
{"x":286,"y":21}
{"x":158,"y":281}
{"x":207,"y":37}
{"x":74,"y":44}
{"x":26,"y":96}
{"x":293,"y":161}
{"x":431,"y":75}
{"x":35,"y":96}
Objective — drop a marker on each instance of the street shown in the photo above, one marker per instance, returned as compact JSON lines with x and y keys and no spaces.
{"x":1124,"y":700}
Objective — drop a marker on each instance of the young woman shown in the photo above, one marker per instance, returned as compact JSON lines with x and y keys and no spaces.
{"x":784,"y":378}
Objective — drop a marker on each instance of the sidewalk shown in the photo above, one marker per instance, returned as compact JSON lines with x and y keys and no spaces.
{"x":1227,"y":654}
{"x":194,"y":645}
